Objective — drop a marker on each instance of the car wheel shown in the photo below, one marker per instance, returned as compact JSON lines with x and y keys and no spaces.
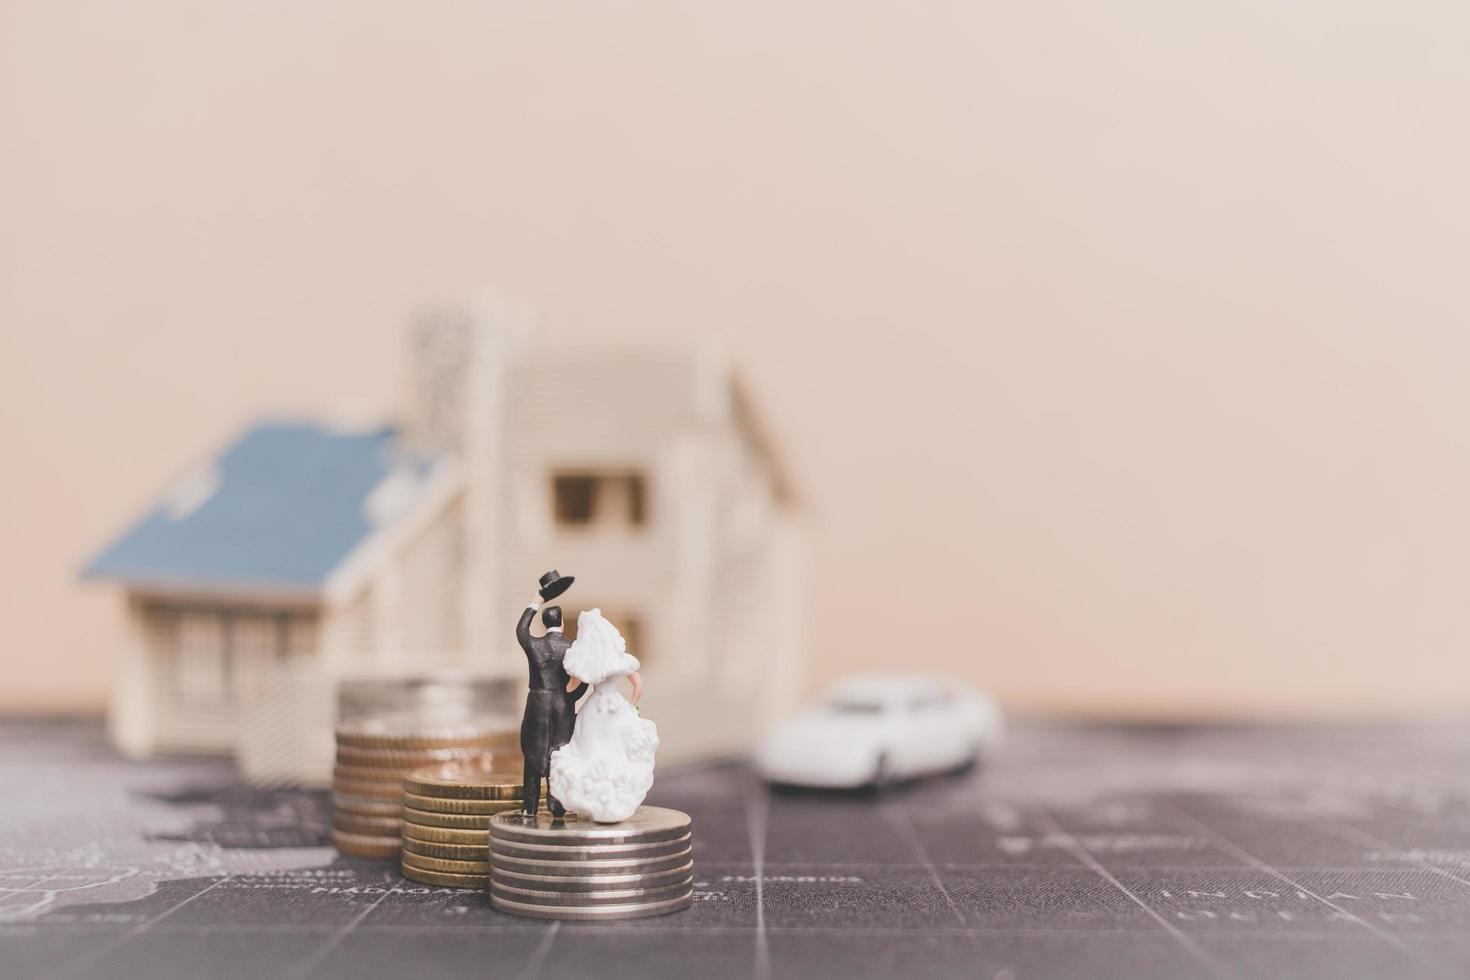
{"x":970,"y":762}
{"x":882,"y":775}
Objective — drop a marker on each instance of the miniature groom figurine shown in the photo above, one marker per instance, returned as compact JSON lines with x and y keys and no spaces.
{"x":551,"y":711}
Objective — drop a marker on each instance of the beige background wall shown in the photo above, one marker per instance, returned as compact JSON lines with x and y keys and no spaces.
{"x":1120,"y":348}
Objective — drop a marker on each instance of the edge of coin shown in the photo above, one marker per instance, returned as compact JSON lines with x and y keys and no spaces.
{"x":383,"y":792}
{"x":370,"y":736}
{"x":353,"y":755}
{"x":458,"y":781}
{"x":364,"y":846}
{"x":446,"y":821}
{"x":583,"y":899}
{"x":478,"y":808}
{"x":445,"y":865}
{"x":576,"y":831}
{"x":589,"y":868}
{"x":460,"y":852}
{"x":479,"y":882}
{"x":590,"y":882}
{"x":446,"y":835}
{"x":355,"y":823}
{"x":591,"y":852}
{"x":594,"y":913}
{"x":365,"y":807}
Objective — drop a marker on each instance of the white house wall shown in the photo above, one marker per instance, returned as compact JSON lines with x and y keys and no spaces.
{"x":130,"y":715}
{"x":600,"y":412}
{"x":404,"y":619}
{"x":429,"y":623}
{"x":703,"y":570}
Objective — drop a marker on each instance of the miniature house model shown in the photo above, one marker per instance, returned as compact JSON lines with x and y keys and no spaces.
{"x":304,"y":556}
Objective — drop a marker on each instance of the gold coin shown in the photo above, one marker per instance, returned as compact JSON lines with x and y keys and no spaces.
{"x":477,"y":882}
{"x":457,"y":821}
{"x":413,"y":735}
{"x":354,"y":823}
{"x":435,"y":804}
{"x":372,"y":791}
{"x":446,"y":835}
{"x":416,"y":743}
{"x":461,"y":852}
{"x":366,"y":807}
{"x":362,"y":774}
{"x":457,"y":866}
{"x":478,"y":780}
{"x":348,"y":755}
{"x":365,"y":846}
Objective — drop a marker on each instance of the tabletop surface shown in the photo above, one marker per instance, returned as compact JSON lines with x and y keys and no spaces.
{"x":1325,"y":852}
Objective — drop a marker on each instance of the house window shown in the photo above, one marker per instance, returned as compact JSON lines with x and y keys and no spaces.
{"x":215,"y":656}
{"x":200,"y":658}
{"x":601,"y":500}
{"x":628,"y":623}
{"x":255,"y":645}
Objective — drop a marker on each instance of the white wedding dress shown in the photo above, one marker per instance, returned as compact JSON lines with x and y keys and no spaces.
{"x":604,"y":772}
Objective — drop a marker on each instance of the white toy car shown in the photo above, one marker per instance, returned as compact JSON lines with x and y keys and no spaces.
{"x":873,"y":730}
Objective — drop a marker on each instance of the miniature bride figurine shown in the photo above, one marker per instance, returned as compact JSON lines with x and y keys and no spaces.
{"x":606,"y":769}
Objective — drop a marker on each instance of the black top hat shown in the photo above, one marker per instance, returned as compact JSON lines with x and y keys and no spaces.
{"x":553,"y":584}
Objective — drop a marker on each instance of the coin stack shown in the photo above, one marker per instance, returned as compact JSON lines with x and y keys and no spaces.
{"x":373,"y":758}
{"x":565,"y":868}
{"x":446,"y":821}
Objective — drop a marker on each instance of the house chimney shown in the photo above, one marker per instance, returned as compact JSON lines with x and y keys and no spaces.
{"x":459,"y":400}
{"x":440,"y":355}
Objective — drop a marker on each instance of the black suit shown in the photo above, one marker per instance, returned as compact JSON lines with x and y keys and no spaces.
{"x":551,"y":711}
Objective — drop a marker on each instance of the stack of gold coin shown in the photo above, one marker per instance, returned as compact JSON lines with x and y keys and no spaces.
{"x":568,"y":868}
{"x":446,"y":820}
{"x":372,"y":760}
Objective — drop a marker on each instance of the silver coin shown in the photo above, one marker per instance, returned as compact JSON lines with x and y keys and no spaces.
{"x":647,"y":825}
{"x":583,"y":883}
{"x":618,"y":896}
{"x":590,"y":852}
{"x":621,"y":866}
{"x":591,"y":913}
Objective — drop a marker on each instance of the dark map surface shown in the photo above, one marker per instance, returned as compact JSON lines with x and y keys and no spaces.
{"x":1079,"y":852}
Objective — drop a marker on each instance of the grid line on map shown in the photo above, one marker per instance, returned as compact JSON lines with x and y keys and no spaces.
{"x":899,"y":820}
{"x":538,"y":955}
{"x":756,"y":804}
{"x":83,"y":963}
{"x":1074,"y":848}
{"x":308,"y":963}
{"x":27,"y":889}
{"x":1353,"y":835}
{"x":1230,"y":847}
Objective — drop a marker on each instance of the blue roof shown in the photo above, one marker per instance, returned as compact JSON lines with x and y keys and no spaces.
{"x":280,"y":508}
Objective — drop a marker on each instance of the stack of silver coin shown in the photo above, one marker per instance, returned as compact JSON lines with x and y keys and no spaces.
{"x":547,"y":867}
